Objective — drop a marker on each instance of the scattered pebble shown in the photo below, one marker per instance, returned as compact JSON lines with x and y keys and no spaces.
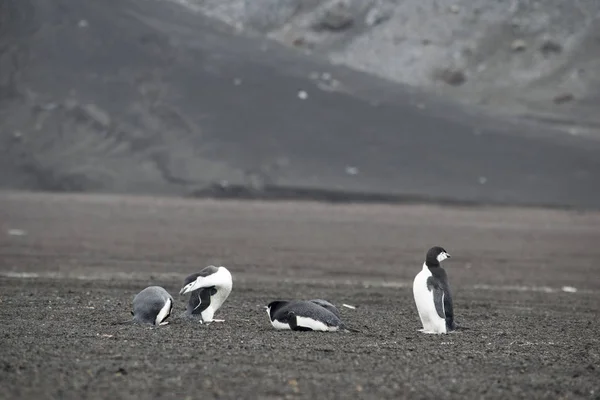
{"x":550,"y":46}
{"x":518,"y":45}
{"x":83,"y":24}
{"x":349,"y":306}
{"x":563,"y":98}
{"x":569,"y":289}
{"x":302,"y":95}
{"x":351,"y":170}
{"x":299,"y":41}
{"x":378,"y":14}
{"x":454,"y":9}
{"x":335,"y":18}
{"x":237,"y":81}
{"x":482,"y":180}
{"x":97,"y":114}
{"x":16,"y":232}
{"x":452,"y":76}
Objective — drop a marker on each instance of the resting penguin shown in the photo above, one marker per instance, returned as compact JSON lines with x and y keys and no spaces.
{"x":209,"y":289}
{"x":327,"y":305}
{"x":302,"y":315}
{"x":152,"y":305}
{"x":432,"y":294}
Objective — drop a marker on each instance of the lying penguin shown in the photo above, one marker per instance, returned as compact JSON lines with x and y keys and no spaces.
{"x":303,"y":315}
{"x":209,"y":289}
{"x":432,"y":294}
{"x":152,"y":305}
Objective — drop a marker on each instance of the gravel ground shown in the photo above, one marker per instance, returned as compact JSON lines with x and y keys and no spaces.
{"x":70,"y":265}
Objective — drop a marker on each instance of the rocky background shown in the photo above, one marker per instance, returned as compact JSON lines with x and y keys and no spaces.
{"x":527,"y":58}
{"x":469,"y":101}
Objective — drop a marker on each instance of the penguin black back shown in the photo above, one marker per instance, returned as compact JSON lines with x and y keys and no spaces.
{"x":438,"y":281}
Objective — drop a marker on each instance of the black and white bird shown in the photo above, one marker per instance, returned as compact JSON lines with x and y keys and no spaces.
{"x":432,"y":294}
{"x":152,"y":305}
{"x":209,"y":289}
{"x":304,"y":315}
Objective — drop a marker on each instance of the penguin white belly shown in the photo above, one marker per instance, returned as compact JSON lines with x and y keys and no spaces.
{"x":163,"y":313}
{"x":280,"y":325}
{"x":314,"y":324}
{"x":432,"y":322}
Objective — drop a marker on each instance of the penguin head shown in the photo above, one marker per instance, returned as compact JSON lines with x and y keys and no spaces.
{"x":435,"y":256}
{"x":273,"y":306}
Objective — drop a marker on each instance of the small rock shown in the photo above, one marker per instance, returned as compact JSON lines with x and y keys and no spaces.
{"x":299,"y":41}
{"x":452,"y":76}
{"x":454,"y":9}
{"x":83,"y":24}
{"x":351,"y":170}
{"x":49,"y":106}
{"x":16,"y":232}
{"x":482,"y":180}
{"x":569,"y":289}
{"x":237,"y":81}
{"x":335,"y":18}
{"x":563,"y":98}
{"x":518,"y":45}
{"x":377,"y":14}
{"x":302,"y":95}
{"x":97,"y":114}
{"x":550,"y":46}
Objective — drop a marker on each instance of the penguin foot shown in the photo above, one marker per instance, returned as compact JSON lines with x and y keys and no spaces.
{"x":429,"y":332}
{"x":163,"y":323}
{"x":218,"y":320}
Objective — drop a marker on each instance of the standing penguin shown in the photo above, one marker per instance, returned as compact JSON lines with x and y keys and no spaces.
{"x":209,"y":289}
{"x":302,"y":315}
{"x":432,"y":294}
{"x":152,"y":305}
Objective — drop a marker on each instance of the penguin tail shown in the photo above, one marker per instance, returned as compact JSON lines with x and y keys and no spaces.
{"x":350,"y":329}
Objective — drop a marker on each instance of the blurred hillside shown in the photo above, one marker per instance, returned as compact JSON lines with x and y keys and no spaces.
{"x":151,"y":97}
{"x":527,"y":58}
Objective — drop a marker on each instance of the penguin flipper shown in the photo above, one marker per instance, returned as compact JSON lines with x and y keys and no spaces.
{"x":293,"y":321}
{"x":438,"y":296}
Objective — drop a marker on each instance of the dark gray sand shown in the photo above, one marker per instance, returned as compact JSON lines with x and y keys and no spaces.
{"x":71,"y":265}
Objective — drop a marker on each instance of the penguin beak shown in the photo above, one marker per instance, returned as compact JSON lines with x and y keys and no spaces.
{"x":187,"y":288}
{"x":447,"y":255}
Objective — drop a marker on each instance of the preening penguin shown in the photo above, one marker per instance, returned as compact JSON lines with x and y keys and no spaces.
{"x":209,"y":289}
{"x":432,"y":294}
{"x":302,"y":315}
{"x":152,"y":305}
